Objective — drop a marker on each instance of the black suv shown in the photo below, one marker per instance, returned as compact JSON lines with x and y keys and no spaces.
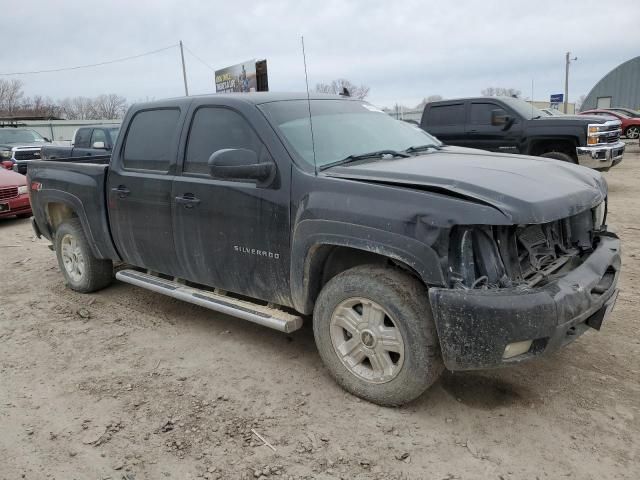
{"x":511,"y":125}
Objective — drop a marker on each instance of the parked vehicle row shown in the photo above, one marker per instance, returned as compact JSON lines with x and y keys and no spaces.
{"x":93,"y":143}
{"x":511,"y":125}
{"x":630,"y":125}
{"x":408,"y":255}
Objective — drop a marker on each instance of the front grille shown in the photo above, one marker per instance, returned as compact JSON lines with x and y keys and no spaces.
{"x":26,"y":154}
{"x":10,"y":192}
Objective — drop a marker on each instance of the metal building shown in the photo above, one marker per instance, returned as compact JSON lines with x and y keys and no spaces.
{"x":618,"y":88}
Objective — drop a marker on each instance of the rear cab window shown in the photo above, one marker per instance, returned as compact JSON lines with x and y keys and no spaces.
{"x":151,"y":139}
{"x":448,"y":114}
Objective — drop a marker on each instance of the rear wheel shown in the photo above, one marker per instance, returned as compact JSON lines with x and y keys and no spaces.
{"x":565,"y":157}
{"x":632,"y":132}
{"x":82,"y":271}
{"x":374,"y":331}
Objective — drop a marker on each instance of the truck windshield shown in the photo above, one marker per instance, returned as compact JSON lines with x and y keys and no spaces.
{"x":16,"y":135}
{"x":523,"y":108}
{"x":113,"y":133}
{"x":341,"y":128}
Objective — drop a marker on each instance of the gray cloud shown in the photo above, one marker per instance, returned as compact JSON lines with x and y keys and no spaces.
{"x":404,"y":50}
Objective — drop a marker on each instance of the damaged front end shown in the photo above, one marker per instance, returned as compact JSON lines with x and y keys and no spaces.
{"x":516,"y":292}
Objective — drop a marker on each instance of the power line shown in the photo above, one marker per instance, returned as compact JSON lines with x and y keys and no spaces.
{"x":199,"y":59}
{"x":92,"y":64}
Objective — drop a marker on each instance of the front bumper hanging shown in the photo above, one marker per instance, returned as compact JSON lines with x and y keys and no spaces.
{"x":475,"y":327}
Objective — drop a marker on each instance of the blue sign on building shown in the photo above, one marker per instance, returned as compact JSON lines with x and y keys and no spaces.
{"x":557,"y":98}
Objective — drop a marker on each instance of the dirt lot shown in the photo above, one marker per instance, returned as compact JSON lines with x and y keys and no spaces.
{"x":128,"y":384}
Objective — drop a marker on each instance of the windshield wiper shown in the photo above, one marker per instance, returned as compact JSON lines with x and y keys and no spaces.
{"x":362,"y":156}
{"x":421,"y":148}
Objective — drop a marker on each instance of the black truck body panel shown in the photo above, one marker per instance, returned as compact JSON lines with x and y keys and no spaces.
{"x":271,"y":240}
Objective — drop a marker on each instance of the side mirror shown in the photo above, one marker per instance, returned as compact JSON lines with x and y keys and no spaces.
{"x":46,"y":140}
{"x":239,"y":164}
{"x":98,"y":145}
{"x":499,"y":118}
{"x":8,"y":164}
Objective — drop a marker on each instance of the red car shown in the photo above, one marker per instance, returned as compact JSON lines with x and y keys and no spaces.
{"x":14,"y":195}
{"x":630,"y":125}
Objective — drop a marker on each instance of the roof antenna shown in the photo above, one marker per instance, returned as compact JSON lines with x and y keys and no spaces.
{"x":345,"y":92}
{"x":306,"y":78}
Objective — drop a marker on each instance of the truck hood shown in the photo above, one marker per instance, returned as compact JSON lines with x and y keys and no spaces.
{"x":22,"y":145}
{"x":573,"y":119}
{"x":525,"y":189}
{"x":11,"y":179}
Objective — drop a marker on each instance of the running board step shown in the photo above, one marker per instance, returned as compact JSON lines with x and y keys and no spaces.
{"x":262,"y":315}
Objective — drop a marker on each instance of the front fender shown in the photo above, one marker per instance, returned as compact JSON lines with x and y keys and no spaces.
{"x":311,"y":234}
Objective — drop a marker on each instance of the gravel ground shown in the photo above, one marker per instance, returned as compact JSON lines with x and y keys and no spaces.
{"x":128,"y":384}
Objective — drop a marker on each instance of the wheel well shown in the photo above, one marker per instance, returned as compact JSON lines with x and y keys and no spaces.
{"x":327,"y":261}
{"x":545,"y":146}
{"x":58,"y":213}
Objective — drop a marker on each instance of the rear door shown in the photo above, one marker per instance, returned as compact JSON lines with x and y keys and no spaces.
{"x":446,"y":122}
{"x":482,"y":134}
{"x":139,"y":188}
{"x":232,"y":235}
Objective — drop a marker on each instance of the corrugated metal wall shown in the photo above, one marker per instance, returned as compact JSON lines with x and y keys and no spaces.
{"x":622,"y":84}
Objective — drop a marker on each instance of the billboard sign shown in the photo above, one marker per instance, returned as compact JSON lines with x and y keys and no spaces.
{"x":556,"y":98}
{"x":237,"y":78}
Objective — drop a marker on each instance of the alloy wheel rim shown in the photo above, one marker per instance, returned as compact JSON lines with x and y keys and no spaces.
{"x":367,"y":340}
{"x":633,"y":132}
{"x":72,"y":257}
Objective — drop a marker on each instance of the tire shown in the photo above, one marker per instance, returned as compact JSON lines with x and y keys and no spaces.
{"x":401,"y":313}
{"x":632,"y":132}
{"x":565,"y":157}
{"x":82,"y":271}
{"x":24,"y":215}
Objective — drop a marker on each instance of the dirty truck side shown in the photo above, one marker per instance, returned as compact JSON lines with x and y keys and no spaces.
{"x":407,"y":256}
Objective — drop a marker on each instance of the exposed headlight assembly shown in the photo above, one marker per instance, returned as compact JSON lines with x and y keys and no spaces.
{"x":5,"y":153}
{"x":23,"y":190}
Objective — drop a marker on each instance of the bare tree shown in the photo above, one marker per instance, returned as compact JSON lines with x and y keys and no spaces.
{"x":10,"y":95}
{"x":430,"y":98}
{"x":78,"y":108}
{"x":580,"y":102}
{"x":39,"y":106}
{"x":501,"y":92}
{"x":337,"y":86}
{"x":110,"y":107}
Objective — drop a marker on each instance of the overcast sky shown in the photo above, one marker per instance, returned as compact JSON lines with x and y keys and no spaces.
{"x":403,"y":50}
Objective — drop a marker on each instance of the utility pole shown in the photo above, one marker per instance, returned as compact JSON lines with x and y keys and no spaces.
{"x":568,"y":60}
{"x":184,"y":71}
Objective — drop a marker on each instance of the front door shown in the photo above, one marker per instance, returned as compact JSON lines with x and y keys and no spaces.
{"x":231,"y":235}
{"x":139,"y":190}
{"x":482,"y":134}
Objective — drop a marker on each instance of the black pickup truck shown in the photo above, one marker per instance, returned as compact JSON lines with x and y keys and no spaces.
{"x":92,"y":143}
{"x":406,"y":255}
{"x":511,"y":125}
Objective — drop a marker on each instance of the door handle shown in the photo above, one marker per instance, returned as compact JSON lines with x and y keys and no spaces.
{"x":121,"y":191}
{"x":473,"y":131}
{"x":188,"y":200}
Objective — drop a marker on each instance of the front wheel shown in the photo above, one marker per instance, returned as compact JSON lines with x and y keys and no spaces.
{"x":375,"y":333}
{"x":565,"y":157}
{"x":632,"y":132}
{"x":82,"y":271}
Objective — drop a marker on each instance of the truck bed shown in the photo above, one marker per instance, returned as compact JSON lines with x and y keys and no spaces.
{"x":79,"y":184}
